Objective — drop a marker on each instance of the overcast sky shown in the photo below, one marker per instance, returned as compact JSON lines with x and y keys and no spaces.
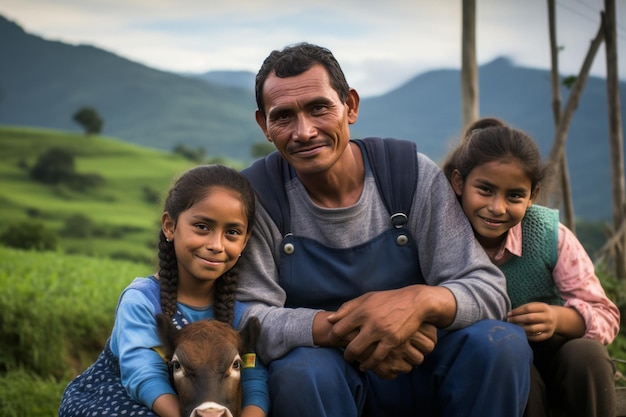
{"x":379,"y":43}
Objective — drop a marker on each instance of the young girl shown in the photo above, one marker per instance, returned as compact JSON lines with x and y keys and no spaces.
{"x":205,"y":226}
{"x":556,"y":297}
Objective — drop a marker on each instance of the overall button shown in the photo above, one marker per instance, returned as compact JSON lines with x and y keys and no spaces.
{"x":289,"y":248}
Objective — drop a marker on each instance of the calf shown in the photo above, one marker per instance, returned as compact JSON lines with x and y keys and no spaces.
{"x":205,"y":364}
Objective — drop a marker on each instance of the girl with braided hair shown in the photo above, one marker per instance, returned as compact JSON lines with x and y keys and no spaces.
{"x":206,"y":224}
{"x":555,"y":294}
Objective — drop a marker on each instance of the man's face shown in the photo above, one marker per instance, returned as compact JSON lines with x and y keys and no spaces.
{"x":306,"y":120}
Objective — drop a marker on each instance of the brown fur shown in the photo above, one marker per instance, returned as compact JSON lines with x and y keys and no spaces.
{"x":204,"y":359}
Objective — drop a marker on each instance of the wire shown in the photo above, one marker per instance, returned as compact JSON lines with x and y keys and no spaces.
{"x":621,"y":30}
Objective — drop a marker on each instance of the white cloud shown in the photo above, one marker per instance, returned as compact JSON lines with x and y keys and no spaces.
{"x":379,"y":44}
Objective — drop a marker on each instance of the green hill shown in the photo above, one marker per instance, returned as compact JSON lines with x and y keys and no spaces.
{"x":43,"y":82}
{"x":120,"y":218}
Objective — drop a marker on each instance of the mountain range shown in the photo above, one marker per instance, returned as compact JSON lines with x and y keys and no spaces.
{"x":44,"y":82}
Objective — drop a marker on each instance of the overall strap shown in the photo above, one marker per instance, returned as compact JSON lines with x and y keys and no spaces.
{"x":267,"y":177}
{"x":394,"y":165}
{"x":393,"y":162}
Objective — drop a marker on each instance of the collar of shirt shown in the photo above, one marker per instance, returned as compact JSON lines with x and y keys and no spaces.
{"x":512,"y":246}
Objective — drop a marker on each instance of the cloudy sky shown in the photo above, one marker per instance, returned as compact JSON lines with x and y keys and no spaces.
{"x":380,"y":43}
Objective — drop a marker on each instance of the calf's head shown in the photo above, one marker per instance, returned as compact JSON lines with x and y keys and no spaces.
{"x":205,"y":364}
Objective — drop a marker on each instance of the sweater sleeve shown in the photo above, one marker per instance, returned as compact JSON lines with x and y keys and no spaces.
{"x":282,"y":329}
{"x":254,"y":375}
{"x":450,"y":255}
{"x":574,"y":275}
{"x":144,"y":373}
{"x":254,"y":384}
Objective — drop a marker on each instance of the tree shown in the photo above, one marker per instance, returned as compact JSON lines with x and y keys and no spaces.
{"x":89,"y":119}
{"x":616,"y":140}
{"x":469,"y":69}
{"x":565,"y":188}
{"x":54,"y":166}
{"x":557,"y":151}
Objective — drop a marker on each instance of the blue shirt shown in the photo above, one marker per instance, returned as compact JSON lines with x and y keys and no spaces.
{"x":144,"y":373}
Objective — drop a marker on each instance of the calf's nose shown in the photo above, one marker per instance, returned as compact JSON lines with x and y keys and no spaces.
{"x":211,"y":413}
{"x":211,"y":410}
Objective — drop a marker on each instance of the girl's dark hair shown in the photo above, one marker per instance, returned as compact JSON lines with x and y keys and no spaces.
{"x":294,"y":60}
{"x":191,"y":187}
{"x":490,"y":139}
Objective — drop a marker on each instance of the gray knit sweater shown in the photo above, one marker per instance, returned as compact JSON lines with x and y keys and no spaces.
{"x":449,"y":256}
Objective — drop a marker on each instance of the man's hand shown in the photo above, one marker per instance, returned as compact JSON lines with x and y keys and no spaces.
{"x":380,"y":322}
{"x":411,"y":353}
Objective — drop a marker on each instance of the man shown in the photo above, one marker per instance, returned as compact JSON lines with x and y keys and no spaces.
{"x":359,"y":316}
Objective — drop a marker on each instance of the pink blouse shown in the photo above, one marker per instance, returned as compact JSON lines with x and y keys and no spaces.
{"x":575,"y":277}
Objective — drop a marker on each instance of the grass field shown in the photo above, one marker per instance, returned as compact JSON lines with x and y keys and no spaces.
{"x":57,"y":307}
{"x":119,"y":206}
{"x":57,"y":311}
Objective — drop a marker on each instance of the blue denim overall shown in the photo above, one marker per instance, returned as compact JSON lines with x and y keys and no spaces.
{"x":465,"y":374}
{"x":470,"y":372}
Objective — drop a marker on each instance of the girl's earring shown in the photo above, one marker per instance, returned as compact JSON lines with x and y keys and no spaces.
{"x":168,"y":240}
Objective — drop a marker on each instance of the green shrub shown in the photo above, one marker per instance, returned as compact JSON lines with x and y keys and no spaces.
{"x":25,"y":394}
{"x":57,"y":310}
{"x":53,"y":166}
{"x":194,"y":155}
{"x":78,"y":225}
{"x":616,"y":291}
{"x":33,"y":212}
{"x":84,"y":182}
{"x":29,"y":234}
{"x":151,"y":195}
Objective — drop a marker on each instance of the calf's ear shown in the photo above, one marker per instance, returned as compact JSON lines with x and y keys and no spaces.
{"x":167,"y":335}
{"x":249,"y":335}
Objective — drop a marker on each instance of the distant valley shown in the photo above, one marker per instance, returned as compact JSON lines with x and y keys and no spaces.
{"x":43,"y":82}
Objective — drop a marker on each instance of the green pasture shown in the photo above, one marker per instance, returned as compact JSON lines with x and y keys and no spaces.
{"x":128,"y":220}
{"x":57,"y":307}
{"x":57,"y":311}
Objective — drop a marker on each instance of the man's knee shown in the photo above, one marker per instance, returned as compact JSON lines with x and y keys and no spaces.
{"x":497,"y":341}
{"x":315,"y":380}
{"x":318,"y":369}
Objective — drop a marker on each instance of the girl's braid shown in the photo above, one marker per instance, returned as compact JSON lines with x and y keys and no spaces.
{"x":168,"y":275}
{"x":225,"y":288}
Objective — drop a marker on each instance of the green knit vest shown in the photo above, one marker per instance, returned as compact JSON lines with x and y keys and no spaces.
{"x":529,"y":277}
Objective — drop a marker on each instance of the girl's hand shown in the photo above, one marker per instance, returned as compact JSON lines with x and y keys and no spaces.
{"x":539,"y":320}
{"x":252,"y":411}
{"x":166,"y":405}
